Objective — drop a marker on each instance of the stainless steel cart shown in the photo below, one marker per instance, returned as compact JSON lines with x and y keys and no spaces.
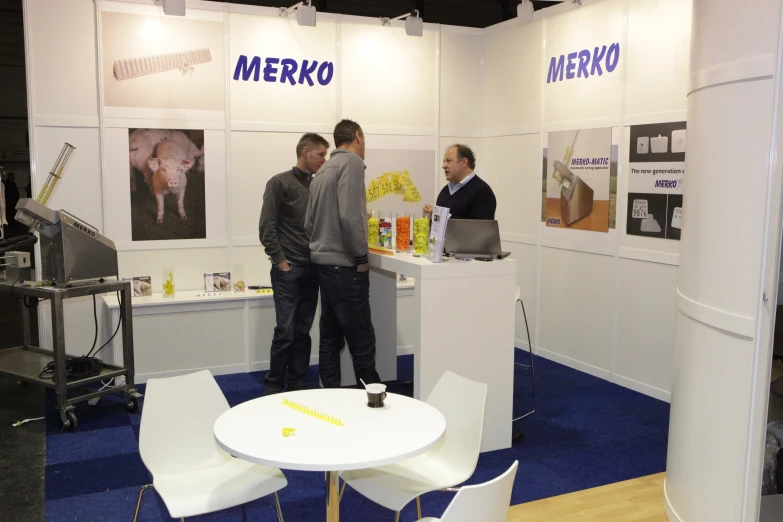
{"x":26,"y":362}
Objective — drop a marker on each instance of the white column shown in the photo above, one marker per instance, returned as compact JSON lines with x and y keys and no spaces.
{"x":730,"y":236}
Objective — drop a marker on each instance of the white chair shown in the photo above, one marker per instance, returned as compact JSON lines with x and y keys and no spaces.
{"x":189,"y":471}
{"x":451,"y":462}
{"x":487,"y":502}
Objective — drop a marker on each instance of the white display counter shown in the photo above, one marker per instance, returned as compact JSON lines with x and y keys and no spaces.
{"x":466,"y":325}
{"x":228,"y":333}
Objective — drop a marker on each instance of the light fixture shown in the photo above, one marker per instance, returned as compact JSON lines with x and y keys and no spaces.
{"x":525,"y":11}
{"x":414,"y":25}
{"x":174,"y":7}
{"x":305,"y":13}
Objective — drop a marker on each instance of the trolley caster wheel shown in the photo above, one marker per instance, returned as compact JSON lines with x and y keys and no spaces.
{"x":132,"y":404}
{"x":70,"y":424}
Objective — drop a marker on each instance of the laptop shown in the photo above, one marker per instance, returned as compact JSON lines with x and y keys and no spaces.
{"x":473,"y":238}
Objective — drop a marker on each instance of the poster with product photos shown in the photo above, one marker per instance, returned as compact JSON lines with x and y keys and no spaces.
{"x":656,"y":173}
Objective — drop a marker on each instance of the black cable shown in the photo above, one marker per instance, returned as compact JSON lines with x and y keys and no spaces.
{"x":86,"y":365}
{"x":516,"y":437}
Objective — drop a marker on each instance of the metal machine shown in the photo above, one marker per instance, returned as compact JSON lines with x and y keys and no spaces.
{"x":71,"y":249}
{"x":76,"y":259}
{"x":576,"y":196}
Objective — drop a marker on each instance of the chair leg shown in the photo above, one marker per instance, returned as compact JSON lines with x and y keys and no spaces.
{"x":138,"y":502}
{"x":277,"y":507}
{"x":396,"y":516}
{"x":244,"y":514}
{"x":342,"y":490}
{"x":418,"y":506}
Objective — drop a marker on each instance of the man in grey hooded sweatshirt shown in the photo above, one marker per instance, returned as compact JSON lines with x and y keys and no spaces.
{"x":336,"y":223}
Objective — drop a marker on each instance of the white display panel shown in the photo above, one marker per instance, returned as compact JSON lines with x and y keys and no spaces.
{"x":576,"y":308}
{"x":387,"y":78}
{"x":118,"y":193}
{"x":646,"y":311}
{"x":269,"y":100}
{"x":512,"y":167}
{"x":79,"y":191}
{"x":255,"y":158}
{"x":141,"y":37}
{"x":255,"y":263}
{"x":575,"y":43}
{"x":64,"y":79}
{"x":512,"y":85}
{"x":460,"y":94}
{"x":657,"y":61}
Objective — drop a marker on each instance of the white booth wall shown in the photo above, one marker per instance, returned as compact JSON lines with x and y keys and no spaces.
{"x":603,"y":303}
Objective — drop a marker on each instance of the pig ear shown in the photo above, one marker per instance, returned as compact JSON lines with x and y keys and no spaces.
{"x":186,"y":164}
{"x":154,"y":163}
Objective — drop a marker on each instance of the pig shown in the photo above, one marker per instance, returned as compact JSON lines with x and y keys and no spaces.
{"x":221,"y":283}
{"x":140,"y":287}
{"x":169,"y":167}
{"x":142,"y":143}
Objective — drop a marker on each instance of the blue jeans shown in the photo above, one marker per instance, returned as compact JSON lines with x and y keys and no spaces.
{"x":345,"y":317}
{"x":296,"y":298}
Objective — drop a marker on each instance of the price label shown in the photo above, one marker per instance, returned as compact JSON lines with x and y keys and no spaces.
{"x":639,"y":209}
{"x":677,"y":218}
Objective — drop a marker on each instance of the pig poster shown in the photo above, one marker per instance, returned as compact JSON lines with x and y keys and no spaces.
{"x":167,"y":184}
{"x":140,"y":286}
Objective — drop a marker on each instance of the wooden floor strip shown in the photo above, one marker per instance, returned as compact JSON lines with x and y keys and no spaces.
{"x":637,"y":500}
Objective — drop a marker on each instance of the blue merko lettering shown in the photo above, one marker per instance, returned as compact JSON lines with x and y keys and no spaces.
{"x":305,"y":72}
{"x":244,"y":71}
{"x":289,"y":68}
{"x":270,"y":70}
{"x":584,"y":63}
{"x":325,"y":73}
{"x":597,"y":57}
{"x":556,"y":68}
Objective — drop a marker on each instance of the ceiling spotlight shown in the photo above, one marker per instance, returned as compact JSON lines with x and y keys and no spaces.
{"x":524,"y":11}
{"x":174,"y":7}
{"x":414,"y":25}
{"x":305,"y":13}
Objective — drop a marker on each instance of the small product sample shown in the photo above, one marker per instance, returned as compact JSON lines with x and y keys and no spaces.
{"x":385,"y":232}
{"x":372,"y":230}
{"x":168,"y":282}
{"x":403,"y":233}
{"x":421,"y":236}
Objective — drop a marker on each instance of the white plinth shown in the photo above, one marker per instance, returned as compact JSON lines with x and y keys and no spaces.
{"x":466,"y":325}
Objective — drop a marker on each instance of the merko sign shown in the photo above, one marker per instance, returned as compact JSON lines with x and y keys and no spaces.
{"x":585,"y":63}
{"x":286,"y":70}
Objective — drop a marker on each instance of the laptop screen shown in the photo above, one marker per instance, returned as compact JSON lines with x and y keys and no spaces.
{"x":479,"y":237}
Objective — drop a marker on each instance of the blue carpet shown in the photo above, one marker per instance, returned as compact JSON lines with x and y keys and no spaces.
{"x":586,"y":432}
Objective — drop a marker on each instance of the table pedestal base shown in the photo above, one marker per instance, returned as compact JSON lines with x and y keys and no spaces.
{"x":332,"y":496}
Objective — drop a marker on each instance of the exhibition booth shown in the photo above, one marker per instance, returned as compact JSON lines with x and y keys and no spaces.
{"x":578,"y":121}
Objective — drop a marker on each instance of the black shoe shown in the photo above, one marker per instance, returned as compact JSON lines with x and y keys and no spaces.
{"x":297,"y":388}
{"x":407,"y":384}
{"x":272,"y":391}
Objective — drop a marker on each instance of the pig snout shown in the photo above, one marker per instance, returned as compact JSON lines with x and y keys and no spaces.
{"x":172,"y":183}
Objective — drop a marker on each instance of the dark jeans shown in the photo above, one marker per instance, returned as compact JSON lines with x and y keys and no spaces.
{"x":345,"y":317}
{"x":296,"y":298}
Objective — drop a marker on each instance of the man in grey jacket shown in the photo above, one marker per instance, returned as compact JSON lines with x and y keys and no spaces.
{"x":294,"y":280}
{"x":337,"y":225}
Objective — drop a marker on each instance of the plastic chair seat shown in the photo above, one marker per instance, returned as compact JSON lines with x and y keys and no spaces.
{"x":225,"y":485}
{"x":395,"y":485}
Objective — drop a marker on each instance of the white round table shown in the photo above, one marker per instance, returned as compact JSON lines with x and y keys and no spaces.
{"x":369,"y":437}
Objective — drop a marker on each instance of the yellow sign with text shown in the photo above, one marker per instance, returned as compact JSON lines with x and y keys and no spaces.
{"x":393,"y":183}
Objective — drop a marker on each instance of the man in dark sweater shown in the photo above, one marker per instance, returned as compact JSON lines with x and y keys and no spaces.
{"x":466,"y":195}
{"x":294,"y":280}
{"x":337,"y":225}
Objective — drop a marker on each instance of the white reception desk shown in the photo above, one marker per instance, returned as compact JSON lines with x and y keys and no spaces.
{"x":466,"y":325}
